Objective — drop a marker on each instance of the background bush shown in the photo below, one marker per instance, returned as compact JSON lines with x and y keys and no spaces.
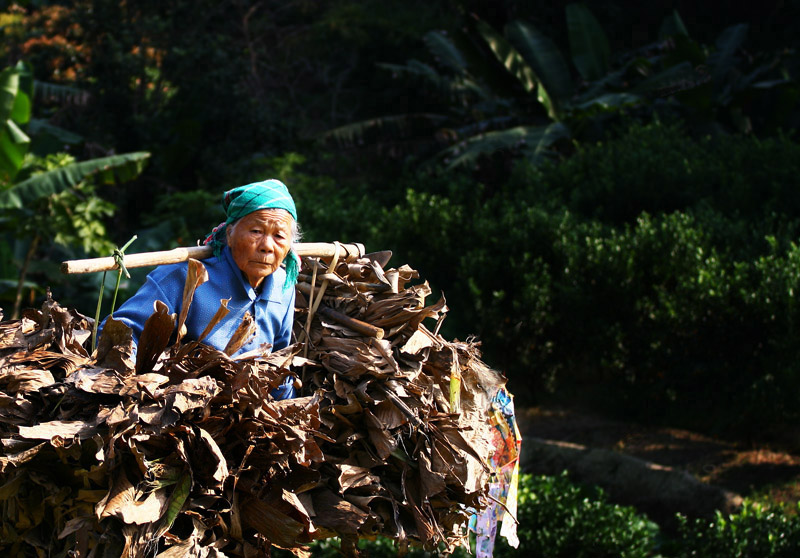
{"x":559,"y":519}
{"x":654,"y":274}
{"x":755,"y":532}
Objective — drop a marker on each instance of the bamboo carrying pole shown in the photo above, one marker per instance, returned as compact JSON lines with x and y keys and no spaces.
{"x":308,"y":249}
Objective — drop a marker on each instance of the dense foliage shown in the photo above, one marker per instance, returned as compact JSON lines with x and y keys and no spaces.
{"x":559,"y":519}
{"x":594,"y":251}
{"x":613,"y":210}
{"x":755,"y":532}
{"x":645,"y":274}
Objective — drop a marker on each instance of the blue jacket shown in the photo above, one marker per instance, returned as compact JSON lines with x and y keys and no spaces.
{"x":272,"y":308}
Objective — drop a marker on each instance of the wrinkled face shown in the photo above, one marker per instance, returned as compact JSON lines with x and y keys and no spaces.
{"x":259,"y":241}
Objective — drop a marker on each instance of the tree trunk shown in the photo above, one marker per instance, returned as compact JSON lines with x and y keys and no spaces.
{"x":23,"y":272}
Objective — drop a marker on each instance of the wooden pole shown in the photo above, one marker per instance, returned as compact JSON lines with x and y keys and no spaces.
{"x":177,"y":255}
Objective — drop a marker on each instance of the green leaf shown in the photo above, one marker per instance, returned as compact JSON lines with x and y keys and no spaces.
{"x":21,"y":112}
{"x":401,"y":125}
{"x":533,"y":140}
{"x":538,"y":141}
{"x":445,"y":51}
{"x":728,"y":42}
{"x":611,"y":100}
{"x":176,"y":501}
{"x":672,"y":26}
{"x":449,"y":86}
{"x":13,"y":147}
{"x":108,"y":170}
{"x":16,"y":134}
{"x":39,"y":126}
{"x":63,"y":94}
{"x":508,"y":56}
{"x":671,"y":78}
{"x":9,"y":87}
{"x":588,"y":43}
{"x":15,"y":108}
{"x":547,"y":62}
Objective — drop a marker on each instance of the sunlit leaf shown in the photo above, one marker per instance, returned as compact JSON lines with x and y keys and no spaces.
{"x":116,"y":168}
{"x":546,"y":61}
{"x":508,"y":56}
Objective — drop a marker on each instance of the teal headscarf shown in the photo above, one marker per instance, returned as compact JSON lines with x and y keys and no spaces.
{"x":241,"y":201}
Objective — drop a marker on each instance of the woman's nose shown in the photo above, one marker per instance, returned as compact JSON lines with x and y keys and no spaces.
{"x":266,"y":245}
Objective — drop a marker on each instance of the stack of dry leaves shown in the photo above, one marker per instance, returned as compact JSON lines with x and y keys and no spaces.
{"x":177,"y":449}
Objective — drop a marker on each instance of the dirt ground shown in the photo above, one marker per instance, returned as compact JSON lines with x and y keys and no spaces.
{"x":763,"y":472}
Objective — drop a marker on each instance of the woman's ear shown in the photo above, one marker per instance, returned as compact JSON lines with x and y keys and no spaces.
{"x":228,"y":233}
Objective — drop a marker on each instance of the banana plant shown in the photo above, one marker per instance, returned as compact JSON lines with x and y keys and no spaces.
{"x":553,"y":97}
{"x":16,"y":94}
{"x":484,"y":112}
{"x":49,"y":198}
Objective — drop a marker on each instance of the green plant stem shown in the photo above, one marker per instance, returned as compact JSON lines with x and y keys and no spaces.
{"x":97,"y":312}
{"x":121,"y":270}
{"x":119,"y":256}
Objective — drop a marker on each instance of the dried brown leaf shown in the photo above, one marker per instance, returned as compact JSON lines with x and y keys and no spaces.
{"x":218,"y":460}
{"x":337,"y":514}
{"x":279,"y":529}
{"x":121,"y":494}
{"x":115,"y":347}
{"x":383,"y":441}
{"x":196,"y":275}
{"x":58,"y":428}
{"x":242,"y":335}
{"x":221,"y":312}
{"x":156,"y":333}
{"x":351,"y":476}
{"x":25,"y":380}
{"x":97,"y":380}
{"x":12,"y":335}
{"x":432,"y":482}
{"x":191,"y":394}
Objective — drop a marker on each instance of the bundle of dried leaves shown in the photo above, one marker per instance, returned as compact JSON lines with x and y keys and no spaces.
{"x":177,"y":449}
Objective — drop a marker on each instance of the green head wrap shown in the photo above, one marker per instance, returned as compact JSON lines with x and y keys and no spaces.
{"x":241,"y":201}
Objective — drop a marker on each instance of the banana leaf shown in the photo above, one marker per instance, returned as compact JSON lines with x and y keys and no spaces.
{"x":672,"y":26}
{"x":588,"y":43}
{"x":532,"y":140}
{"x":107,"y":170}
{"x":16,"y":88}
{"x":555,"y":82}
{"x":508,"y":56}
{"x":723,"y":60}
{"x":445,"y":51}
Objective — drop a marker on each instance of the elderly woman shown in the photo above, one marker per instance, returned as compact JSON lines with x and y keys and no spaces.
{"x":249,"y":248}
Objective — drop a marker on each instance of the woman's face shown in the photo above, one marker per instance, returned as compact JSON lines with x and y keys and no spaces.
{"x":259,"y":241}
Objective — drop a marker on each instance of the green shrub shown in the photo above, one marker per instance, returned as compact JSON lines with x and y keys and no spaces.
{"x":654,"y":275}
{"x":560,"y":519}
{"x":659,"y":168}
{"x":755,"y":532}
